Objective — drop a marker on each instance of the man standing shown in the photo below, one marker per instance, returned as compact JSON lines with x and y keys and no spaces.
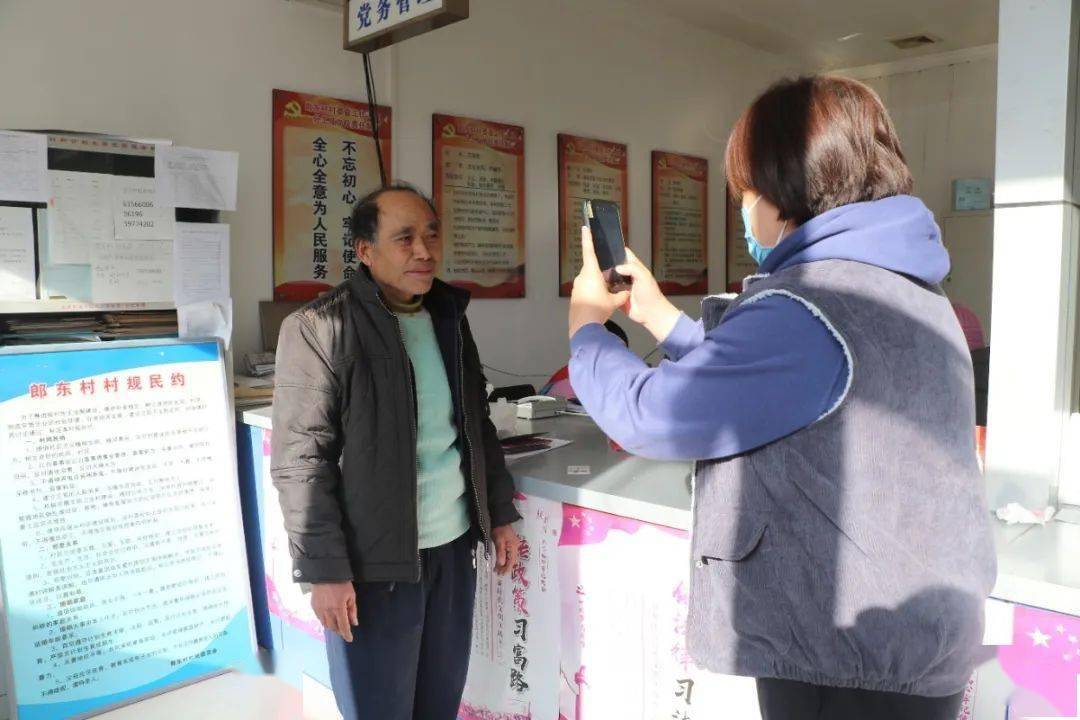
{"x":388,"y":469}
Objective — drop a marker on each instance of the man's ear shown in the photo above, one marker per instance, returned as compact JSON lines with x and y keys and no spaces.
{"x":363,"y":252}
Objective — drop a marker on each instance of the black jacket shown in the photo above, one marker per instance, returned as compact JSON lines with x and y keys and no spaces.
{"x":343,"y":445}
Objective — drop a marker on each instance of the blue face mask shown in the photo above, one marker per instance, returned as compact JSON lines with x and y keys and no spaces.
{"x":756,"y":249}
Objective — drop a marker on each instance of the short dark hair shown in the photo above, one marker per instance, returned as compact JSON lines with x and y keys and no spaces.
{"x":364,"y":219}
{"x":814,"y":143}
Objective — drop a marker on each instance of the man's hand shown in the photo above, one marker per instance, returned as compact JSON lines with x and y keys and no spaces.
{"x":335,"y":606}
{"x":506,"y":548}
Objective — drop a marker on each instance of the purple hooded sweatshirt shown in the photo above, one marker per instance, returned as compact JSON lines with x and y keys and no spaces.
{"x":770,"y":367}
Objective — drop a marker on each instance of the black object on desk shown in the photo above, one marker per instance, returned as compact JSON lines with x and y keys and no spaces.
{"x":510,"y":393}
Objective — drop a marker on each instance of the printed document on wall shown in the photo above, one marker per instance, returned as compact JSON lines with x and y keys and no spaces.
{"x":79,"y":215}
{"x":201,"y":262}
{"x":23,"y":163}
{"x":17,"y":254}
{"x":137,"y":214}
{"x":194,"y":178}
{"x":126,"y":271}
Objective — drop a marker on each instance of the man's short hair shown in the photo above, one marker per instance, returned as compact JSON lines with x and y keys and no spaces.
{"x":815,"y":143}
{"x":364,"y":219}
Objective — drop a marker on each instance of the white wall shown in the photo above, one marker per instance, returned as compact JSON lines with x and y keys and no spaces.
{"x":594,"y":69}
{"x":945,"y":117}
{"x":201,"y":73}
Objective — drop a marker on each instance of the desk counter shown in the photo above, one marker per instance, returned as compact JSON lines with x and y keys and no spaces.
{"x":576,"y":496}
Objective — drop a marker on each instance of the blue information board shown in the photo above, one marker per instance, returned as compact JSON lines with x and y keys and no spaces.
{"x":121,"y":540}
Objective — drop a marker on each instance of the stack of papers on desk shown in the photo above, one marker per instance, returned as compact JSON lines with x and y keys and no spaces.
{"x":260,"y":364}
{"x":140,"y":324}
{"x":252,"y":392}
{"x":29,"y":330}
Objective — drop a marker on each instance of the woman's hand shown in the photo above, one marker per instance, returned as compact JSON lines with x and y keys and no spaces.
{"x":647,"y":305}
{"x":591,"y":302}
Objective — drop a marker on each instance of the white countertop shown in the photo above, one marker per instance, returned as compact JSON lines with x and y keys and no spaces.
{"x":617,"y":483}
{"x":259,"y":417}
{"x":1037,"y":566}
{"x":1040,"y":566}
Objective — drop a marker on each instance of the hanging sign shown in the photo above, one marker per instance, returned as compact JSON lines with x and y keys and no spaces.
{"x":374,"y":24}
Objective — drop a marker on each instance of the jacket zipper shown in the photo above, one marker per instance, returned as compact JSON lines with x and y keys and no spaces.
{"x":412,"y":424}
{"x":468,"y":445}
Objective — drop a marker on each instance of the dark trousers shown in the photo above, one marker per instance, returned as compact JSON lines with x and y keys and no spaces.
{"x":789,"y":700}
{"x":410,"y":654}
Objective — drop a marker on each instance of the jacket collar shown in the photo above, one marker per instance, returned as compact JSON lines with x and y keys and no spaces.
{"x":442,"y":299}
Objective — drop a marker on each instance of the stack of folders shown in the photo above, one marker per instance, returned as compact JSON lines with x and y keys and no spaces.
{"x":251,"y":392}
{"x":259,"y":364}
{"x":140,"y":324}
{"x":35,"y":329}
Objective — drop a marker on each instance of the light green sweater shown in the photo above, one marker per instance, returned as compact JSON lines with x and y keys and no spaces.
{"x":442,"y":505}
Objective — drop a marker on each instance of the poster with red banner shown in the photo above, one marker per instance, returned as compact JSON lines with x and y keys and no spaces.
{"x":478,"y":176}
{"x":588,"y":169}
{"x":324,"y":161}
{"x":680,"y":223}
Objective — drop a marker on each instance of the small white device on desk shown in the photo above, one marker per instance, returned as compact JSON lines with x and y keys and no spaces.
{"x":537,"y":407}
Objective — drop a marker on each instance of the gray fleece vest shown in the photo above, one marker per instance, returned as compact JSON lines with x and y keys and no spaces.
{"x":857,"y":551}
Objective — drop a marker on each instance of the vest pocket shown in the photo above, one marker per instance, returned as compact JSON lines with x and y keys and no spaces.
{"x":733,"y":541}
{"x":735,"y":590}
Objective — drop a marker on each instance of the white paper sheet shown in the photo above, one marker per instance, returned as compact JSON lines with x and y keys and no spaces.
{"x":17,"y":280}
{"x":206,"y":319}
{"x":137,"y":215}
{"x":194,"y":178}
{"x":201,"y":262}
{"x":125,"y":271}
{"x":23,"y":163}
{"x":79,"y":215}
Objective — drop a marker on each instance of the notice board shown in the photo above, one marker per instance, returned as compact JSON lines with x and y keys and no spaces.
{"x":121,"y":538}
{"x":324,"y":161}
{"x":479,"y":179}
{"x":680,"y":223}
{"x":593,"y":169}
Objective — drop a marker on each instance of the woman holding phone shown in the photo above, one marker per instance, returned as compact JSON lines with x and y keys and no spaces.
{"x":841,"y":547}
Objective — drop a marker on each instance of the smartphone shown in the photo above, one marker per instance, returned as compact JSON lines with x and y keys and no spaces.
{"x":608,"y":242}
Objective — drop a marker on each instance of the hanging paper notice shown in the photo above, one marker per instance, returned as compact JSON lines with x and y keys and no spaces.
{"x":23,"y":163}
{"x":17,"y":280}
{"x":207,"y":319}
{"x":195,"y":178}
{"x":79,"y":215}
{"x":137,"y":215}
{"x":514,"y":666}
{"x":200,"y":262}
{"x":125,"y":271}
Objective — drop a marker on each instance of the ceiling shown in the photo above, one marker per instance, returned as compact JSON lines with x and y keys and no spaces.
{"x":812,"y":31}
